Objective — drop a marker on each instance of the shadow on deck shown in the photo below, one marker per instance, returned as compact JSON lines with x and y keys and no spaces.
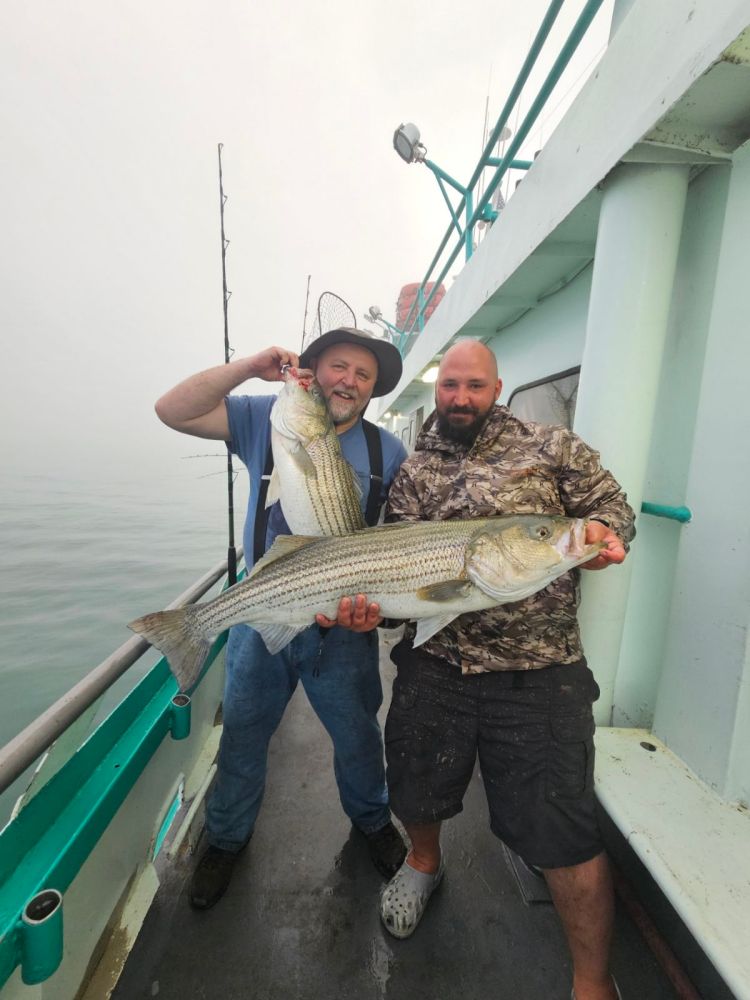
{"x":300,"y":919}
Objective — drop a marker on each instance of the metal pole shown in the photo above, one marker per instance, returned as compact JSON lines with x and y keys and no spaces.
{"x":231,"y":550}
{"x":637,"y":245}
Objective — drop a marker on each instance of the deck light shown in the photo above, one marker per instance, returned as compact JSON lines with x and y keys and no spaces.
{"x":410,"y":149}
{"x":375,"y":315}
{"x":406,"y":143}
{"x":430,"y":375}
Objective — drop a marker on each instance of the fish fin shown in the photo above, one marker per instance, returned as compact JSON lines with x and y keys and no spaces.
{"x":274,"y":489}
{"x":302,"y":460}
{"x":291,"y":444}
{"x":283,"y":545}
{"x":276,"y":637}
{"x":446,"y":590}
{"x":427,"y":627}
{"x":174,"y":633}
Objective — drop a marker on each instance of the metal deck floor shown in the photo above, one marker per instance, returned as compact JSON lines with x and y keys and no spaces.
{"x":300,"y":919}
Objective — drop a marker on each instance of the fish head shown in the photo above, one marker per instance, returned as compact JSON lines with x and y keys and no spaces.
{"x":300,"y":411}
{"x":513,"y":557}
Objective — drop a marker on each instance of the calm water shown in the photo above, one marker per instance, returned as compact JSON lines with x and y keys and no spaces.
{"x":79,"y":560}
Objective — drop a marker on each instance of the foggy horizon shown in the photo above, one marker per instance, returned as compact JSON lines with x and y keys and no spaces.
{"x":111,"y":242}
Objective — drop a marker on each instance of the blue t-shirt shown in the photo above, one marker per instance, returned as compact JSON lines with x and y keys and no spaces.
{"x":250,"y":430}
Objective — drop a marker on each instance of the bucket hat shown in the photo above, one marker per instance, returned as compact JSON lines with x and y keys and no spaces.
{"x":388,"y":357}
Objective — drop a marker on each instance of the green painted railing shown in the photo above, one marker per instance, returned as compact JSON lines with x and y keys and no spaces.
{"x":44,"y":847}
{"x":483,"y":210}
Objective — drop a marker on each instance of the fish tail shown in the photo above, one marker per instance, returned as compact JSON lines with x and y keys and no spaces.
{"x":176,"y":635}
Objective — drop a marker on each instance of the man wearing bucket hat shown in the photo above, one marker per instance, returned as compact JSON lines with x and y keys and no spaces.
{"x":338,"y":667}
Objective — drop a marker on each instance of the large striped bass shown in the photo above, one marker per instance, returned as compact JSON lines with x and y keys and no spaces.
{"x":428,"y":571}
{"x":318,"y":489}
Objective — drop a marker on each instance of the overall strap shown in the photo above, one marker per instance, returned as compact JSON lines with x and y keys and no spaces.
{"x":375,"y":456}
{"x":261,"y":511}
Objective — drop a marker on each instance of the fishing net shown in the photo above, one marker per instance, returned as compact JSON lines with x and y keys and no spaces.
{"x":331,"y":313}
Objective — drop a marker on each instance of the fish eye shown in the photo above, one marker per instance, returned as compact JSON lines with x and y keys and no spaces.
{"x":543,"y":531}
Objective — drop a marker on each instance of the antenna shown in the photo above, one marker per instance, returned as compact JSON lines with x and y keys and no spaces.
{"x":231,"y":550}
{"x":485,"y":128}
{"x":304,"y":318}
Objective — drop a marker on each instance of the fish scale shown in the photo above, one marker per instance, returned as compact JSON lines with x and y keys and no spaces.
{"x":401,"y":558}
{"x":338,"y":511}
{"x":428,"y":571}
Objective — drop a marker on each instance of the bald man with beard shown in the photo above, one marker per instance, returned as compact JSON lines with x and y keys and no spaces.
{"x":509,"y":686}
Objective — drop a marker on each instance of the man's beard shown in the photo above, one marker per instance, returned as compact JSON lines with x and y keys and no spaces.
{"x":462,"y":433}
{"x":342,"y":410}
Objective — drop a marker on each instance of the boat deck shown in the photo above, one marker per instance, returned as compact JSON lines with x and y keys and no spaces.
{"x":300,"y":919}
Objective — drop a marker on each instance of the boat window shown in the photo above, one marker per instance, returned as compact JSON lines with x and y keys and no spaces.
{"x":550,"y":400}
{"x":409,"y":433}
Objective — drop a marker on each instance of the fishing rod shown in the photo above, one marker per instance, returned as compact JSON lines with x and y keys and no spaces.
{"x":304,"y":318}
{"x":231,"y":550}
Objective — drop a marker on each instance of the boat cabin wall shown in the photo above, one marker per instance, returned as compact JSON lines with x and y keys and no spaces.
{"x":654,"y":582}
{"x":680,"y":666}
{"x":556,"y":328}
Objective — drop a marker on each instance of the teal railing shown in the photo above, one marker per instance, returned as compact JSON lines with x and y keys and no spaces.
{"x":681,"y":514}
{"x":483,"y":209}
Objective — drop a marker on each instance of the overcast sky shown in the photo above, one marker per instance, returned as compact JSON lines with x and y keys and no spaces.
{"x":110,"y":251}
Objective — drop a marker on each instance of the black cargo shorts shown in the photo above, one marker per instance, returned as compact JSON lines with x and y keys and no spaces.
{"x":532,"y":732}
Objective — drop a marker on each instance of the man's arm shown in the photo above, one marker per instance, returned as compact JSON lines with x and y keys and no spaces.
{"x":196,"y":406}
{"x":589,"y":490}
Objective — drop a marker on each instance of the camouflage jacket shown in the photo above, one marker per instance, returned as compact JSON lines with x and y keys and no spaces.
{"x":513,"y":467}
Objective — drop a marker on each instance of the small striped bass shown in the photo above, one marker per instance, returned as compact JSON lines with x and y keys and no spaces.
{"x":318,"y":489}
{"x":428,"y":571}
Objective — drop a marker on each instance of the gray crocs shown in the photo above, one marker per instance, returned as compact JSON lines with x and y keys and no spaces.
{"x":404,"y":899}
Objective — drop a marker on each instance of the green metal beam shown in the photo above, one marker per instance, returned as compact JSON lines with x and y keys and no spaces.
{"x":681,"y":514}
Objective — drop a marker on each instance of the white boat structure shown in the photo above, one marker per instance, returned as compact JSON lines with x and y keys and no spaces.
{"x":611,"y":287}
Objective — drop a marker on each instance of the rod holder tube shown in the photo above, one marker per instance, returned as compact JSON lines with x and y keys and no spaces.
{"x":41,"y":933}
{"x":179,"y":717}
